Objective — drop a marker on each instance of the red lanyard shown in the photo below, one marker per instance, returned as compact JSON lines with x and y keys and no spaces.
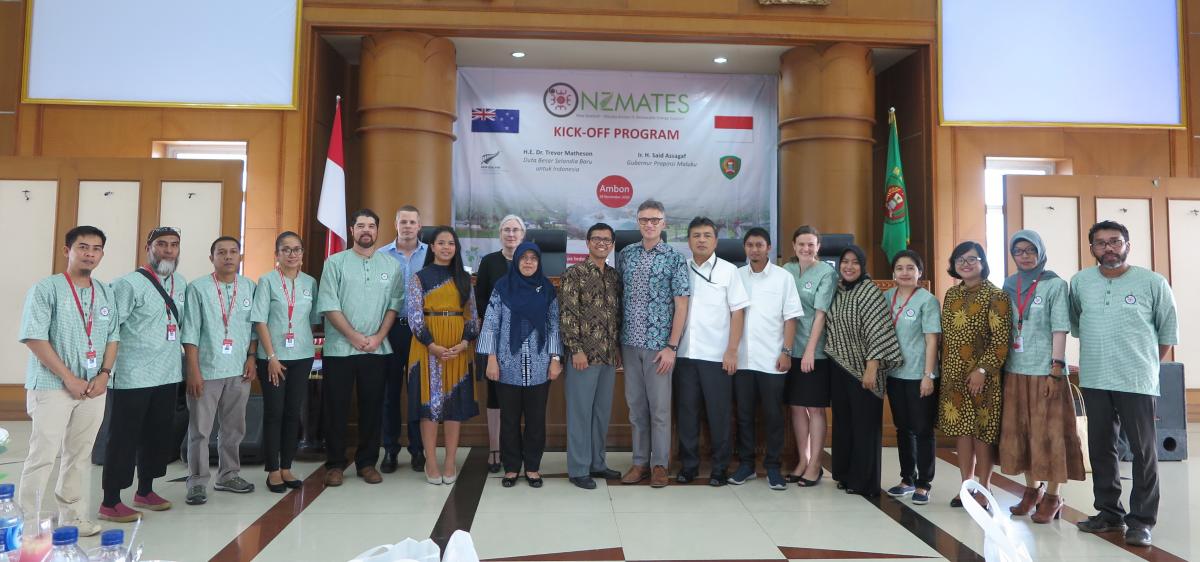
{"x":896,"y":316}
{"x":1023,"y":304}
{"x":87,"y":320}
{"x":288,"y":296}
{"x":226,"y":312}
{"x":161,"y":284}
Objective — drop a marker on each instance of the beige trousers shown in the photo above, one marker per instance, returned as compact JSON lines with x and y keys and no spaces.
{"x":61,"y":426}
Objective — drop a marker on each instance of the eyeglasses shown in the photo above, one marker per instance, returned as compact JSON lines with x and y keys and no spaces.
{"x":968,"y":260}
{"x":291,"y":251}
{"x":649,"y":220}
{"x":600,"y":241}
{"x":1115,"y":244}
{"x":510,"y":231}
{"x":1018,"y":252}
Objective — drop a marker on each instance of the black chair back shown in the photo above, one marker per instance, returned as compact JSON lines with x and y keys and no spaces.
{"x":832,"y":246}
{"x":553,"y":244}
{"x":732,"y":250}
{"x":622,"y":238}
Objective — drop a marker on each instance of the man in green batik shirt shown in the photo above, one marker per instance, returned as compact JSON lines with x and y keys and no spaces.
{"x":220,"y":346}
{"x":360,"y":293}
{"x":69,"y":323}
{"x":1124,"y":317}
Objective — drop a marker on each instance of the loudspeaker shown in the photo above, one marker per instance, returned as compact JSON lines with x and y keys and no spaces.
{"x":1170,"y":425}
{"x":179,"y":424}
{"x":250,"y":451}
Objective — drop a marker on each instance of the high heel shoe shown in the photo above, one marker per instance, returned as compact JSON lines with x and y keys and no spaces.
{"x":806,"y":483}
{"x":1049,"y":509}
{"x":494,"y":467}
{"x":435,"y":480}
{"x":449,"y":479}
{"x":1030,"y":500}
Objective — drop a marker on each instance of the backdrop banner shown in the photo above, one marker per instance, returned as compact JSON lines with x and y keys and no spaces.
{"x":565,"y":149}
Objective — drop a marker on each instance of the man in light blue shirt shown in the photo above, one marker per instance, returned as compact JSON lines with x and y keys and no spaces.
{"x":410,"y":251}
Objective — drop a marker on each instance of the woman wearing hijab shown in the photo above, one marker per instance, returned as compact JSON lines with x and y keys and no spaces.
{"x":441,"y":314}
{"x":1038,"y":437}
{"x":520,"y":338}
{"x":862,"y":343}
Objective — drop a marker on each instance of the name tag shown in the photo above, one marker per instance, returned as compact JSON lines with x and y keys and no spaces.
{"x":91,"y":359}
{"x":289,"y":340}
{"x":227,"y":347}
{"x":1018,"y":344}
{"x":172,"y":332}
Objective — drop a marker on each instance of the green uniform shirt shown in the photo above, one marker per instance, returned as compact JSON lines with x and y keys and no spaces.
{"x":816,"y":286}
{"x":922,"y":315}
{"x":51,"y":314}
{"x":147,"y":357}
{"x":1120,"y":323}
{"x":1047,"y":313}
{"x":204,"y":328}
{"x":363,"y":290}
{"x":271,"y":307}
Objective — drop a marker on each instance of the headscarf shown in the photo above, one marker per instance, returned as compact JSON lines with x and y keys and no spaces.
{"x":862,"y":263}
{"x":528,"y":298}
{"x":1027,"y":277}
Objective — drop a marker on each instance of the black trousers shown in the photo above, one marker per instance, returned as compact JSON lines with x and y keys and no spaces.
{"x":759,"y":391}
{"x":703,"y":383}
{"x":281,"y":411}
{"x":139,"y":433}
{"x":1108,"y":412}
{"x":519,"y":448}
{"x":342,"y":374}
{"x":857,"y":432}
{"x":914,"y":418}
{"x":400,"y":338}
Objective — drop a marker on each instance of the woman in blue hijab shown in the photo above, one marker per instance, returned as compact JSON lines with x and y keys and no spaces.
{"x":520,"y":337}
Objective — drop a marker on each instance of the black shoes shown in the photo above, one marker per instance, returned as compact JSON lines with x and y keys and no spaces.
{"x":718,"y":479}
{"x":607,"y":474}
{"x":509,"y":482}
{"x":389,"y":463}
{"x":584,"y":482}
{"x":494,"y":462}
{"x":685,"y":476}
{"x":533,"y":482}
{"x":806,"y":483}
{"x":277,"y":488}
{"x":418,"y":462}
{"x":294,"y":484}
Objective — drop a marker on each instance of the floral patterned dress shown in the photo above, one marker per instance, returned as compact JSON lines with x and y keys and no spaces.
{"x":977,"y":330}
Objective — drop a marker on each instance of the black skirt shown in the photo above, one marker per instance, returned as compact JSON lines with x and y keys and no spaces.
{"x":810,"y":390}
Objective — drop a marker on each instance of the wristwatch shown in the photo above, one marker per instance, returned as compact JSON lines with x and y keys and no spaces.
{"x":555,"y":357}
{"x":674,"y":348}
{"x":786,"y":349}
{"x":932,"y":375}
{"x":103,"y":370}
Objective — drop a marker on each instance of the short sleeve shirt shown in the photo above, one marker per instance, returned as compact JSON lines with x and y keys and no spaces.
{"x":816,"y":286}
{"x":1120,"y":323}
{"x":716,"y":292}
{"x":652,"y":279}
{"x":773,"y":301}
{"x":271,"y":307}
{"x":148,"y":358}
{"x":919,"y":316}
{"x":1046,"y":312}
{"x":204,"y":324}
{"x":51,"y":314}
{"x":363,"y":290}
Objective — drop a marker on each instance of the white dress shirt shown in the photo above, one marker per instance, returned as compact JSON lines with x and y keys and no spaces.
{"x":716,"y":292}
{"x":773,"y":301}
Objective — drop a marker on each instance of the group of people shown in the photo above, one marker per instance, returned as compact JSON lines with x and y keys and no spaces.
{"x":712,"y":340}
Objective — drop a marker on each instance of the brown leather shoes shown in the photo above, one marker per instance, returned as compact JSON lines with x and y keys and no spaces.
{"x":636,"y":474}
{"x":1049,"y":509}
{"x":658,"y":477}
{"x":370,"y":475}
{"x":333,"y":477}
{"x":1029,"y":501}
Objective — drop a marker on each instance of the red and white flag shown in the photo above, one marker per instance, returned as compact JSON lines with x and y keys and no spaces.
{"x":733,"y":128}
{"x":331,"y":211}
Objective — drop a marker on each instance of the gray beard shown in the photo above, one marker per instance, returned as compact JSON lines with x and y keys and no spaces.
{"x":164,"y":268}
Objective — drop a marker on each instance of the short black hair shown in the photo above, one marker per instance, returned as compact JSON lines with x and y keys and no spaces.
{"x":363,"y":213}
{"x":213,"y":248}
{"x":1107,"y":225}
{"x":806,"y":229}
{"x":652,"y":204}
{"x":700,"y":222}
{"x":601,"y":226}
{"x":84,"y":230}
{"x":963,"y":248}
{"x":284,"y":236}
{"x":912,"y":255}
{"x":759,"y":232}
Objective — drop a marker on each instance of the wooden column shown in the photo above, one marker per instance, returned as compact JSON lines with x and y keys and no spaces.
{"x":406,"y":114}
{"x":826,"y":111}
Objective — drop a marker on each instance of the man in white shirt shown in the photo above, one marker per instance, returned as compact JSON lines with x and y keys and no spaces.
{"x":708,"y":353}
{"x":764,"y":356}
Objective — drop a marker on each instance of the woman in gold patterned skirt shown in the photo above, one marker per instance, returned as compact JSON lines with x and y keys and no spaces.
{"x":976,"y":331}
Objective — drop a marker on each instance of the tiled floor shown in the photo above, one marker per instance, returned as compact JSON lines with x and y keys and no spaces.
{"x":614,"y":522}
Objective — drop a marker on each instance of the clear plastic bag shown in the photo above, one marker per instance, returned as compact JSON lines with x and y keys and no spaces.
{"x":404,"y":551}
{"x":1000,"y":543}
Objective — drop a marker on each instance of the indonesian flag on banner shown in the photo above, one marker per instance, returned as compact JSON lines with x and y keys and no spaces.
{"x":733,"y":128}
{"x":331,"y":211}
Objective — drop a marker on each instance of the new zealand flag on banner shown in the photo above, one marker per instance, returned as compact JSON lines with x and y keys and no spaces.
{"x":488,"y":120}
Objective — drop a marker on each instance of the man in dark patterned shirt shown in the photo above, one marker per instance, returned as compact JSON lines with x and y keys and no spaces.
{"x":655,"y":305}
{"x":590,"y":309}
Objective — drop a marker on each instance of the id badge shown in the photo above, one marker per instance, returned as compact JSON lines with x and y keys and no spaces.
{"x":91,"y":359}
{"x":289,"y":340}
{"x":171,"y":332}
{"x":1018,"y":344}
{"x":227,"y":347}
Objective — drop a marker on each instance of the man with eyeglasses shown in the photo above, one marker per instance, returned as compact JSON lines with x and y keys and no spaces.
{"x":410,"y":252}
{"x":655,"y":305}
{"x":146,"y":379}
{"x":1124,"y":317}
{"x":590,"y":316}
{"x":708,"y":354}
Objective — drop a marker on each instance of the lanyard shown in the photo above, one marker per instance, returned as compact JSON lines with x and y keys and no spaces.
{"x":226,"y":312}
{"x":1023,"y":303}
{"x":703,"y":276}
{"x":161,"y":284}
{"x":87,"y":320}
{"x":288,"y":296}
{"x":896,"y":316}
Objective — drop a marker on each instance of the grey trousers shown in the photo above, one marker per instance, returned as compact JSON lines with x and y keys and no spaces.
{"x":703,"y":383}
{"x":223,"y":399}
{"x":1108,"y":411}
{"x":649,"y":397}
{"x":589,"y":407}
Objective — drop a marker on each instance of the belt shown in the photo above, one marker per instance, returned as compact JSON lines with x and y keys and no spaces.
{"x":446,"y":313}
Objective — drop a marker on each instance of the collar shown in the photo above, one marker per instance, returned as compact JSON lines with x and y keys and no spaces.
{"x":766,"y":270}
{"x":710,"y":263}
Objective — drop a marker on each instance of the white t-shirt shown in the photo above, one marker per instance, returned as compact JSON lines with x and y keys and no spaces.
{"x":773,"y":301}
{"x":716,"y":292}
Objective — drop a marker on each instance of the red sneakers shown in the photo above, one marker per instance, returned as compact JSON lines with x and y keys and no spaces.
{"x":151,"y":501}
{"x":119,"y":513}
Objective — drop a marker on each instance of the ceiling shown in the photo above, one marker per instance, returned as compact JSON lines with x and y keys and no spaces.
{"x":616,"y":55}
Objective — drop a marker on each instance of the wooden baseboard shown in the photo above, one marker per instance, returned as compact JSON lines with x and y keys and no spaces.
{"x":12,"y":402}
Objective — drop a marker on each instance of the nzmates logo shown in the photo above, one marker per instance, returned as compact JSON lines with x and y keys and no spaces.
{"x":488,"y":162}
{"x":560,"y":99}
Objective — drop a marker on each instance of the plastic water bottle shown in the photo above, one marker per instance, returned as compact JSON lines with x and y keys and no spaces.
{"x":112,"y":548}
{"x":66,"y":547}
{"x":10,"y":525}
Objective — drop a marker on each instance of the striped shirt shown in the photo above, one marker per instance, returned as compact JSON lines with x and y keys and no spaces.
{"x":1046,"y":313}
{"x":52,"y":314}
{"x":147,"y":357}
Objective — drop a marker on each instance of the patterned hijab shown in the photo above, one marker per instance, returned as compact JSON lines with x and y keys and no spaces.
{"x":528,"y":298}
{"x":1039,"y":271}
